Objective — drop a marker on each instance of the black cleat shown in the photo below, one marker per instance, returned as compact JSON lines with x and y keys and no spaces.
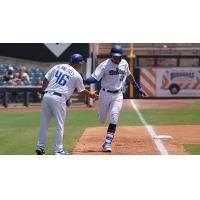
{"x":40,"y":152}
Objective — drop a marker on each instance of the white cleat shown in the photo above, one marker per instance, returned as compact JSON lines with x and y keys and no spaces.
{"x":106,"y":148}
{"x":63,"y":152}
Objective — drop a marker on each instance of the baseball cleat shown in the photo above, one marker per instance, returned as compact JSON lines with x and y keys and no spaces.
{"x":63,"y":152}
{"x":106,"y":148}
{"x":40,"y":152}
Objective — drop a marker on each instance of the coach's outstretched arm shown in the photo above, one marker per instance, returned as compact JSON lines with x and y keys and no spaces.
{"x":89,"y":94}
{"x":134,"y":83}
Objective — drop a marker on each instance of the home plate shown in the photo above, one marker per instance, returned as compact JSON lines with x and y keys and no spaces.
{"x":162,"y":137}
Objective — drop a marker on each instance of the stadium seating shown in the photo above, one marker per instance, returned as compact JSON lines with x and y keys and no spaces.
{"x":35,"y":74}
{"x":154,"y":48}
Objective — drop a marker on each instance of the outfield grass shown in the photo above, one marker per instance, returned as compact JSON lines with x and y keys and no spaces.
{"x":196,"y":104}
{"x":172,"y":116}
{"x":19,"y":130}
{"x":193,"y":149}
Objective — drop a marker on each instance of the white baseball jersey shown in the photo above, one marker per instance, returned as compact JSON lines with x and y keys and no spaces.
{"x":113,"y":75}
{"x":63,"y":78}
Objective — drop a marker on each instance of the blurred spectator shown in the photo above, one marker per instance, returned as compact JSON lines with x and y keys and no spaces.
{"x":9,"y":75}
{"x":17,"y":80}
{"x":23,"y":75}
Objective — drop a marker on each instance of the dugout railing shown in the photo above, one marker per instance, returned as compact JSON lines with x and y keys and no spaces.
{"x":24,"y":91}
{"x":27,"y":95}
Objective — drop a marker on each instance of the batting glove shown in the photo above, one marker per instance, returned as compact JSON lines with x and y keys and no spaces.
{"x":141,"y":92}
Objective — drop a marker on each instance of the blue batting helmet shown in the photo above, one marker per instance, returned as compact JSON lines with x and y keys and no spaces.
{"x":116,"y":50}
{"x":76,"y":58}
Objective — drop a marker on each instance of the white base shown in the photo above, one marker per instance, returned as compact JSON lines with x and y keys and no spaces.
{"x":163,"y":137}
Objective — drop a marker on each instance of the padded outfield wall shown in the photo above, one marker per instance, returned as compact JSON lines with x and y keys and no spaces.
{"x":176,"y":76}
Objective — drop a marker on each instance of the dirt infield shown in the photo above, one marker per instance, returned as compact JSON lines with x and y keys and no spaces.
{"x":128,"y":140}
{"x":187,"y":134}
{"x":135,"y":140}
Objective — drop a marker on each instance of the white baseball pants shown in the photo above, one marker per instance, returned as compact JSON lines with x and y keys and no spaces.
{"x":52,"y":106}
{"x":109,"y":104}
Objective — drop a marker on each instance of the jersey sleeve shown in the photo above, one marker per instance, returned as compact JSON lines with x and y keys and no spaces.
{"x":49,"y":74}
{"x":98,"y":73}
{"x":79,"y":84}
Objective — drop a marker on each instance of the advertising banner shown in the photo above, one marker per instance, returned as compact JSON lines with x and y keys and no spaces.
{"x":178,"y":82}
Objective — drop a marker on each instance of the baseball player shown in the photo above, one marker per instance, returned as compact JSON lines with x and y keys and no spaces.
{"x":58,"y":85}
{"x":113,"y":73}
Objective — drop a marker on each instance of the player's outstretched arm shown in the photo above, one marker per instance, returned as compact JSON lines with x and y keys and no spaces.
{"x":89,"y":80}
{"x":134,"y":83}
{"x":89,"y":94}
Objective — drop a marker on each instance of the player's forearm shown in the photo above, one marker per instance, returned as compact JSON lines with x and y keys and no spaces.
{"x":132,"y":81}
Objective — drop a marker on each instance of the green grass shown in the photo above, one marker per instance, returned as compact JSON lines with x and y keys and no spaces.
{"x":129,"y":118}
{"x":172,"y":116}
{"x":196,"y":104}
{"x":193,"y":149}
{"x":19,"y":130}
